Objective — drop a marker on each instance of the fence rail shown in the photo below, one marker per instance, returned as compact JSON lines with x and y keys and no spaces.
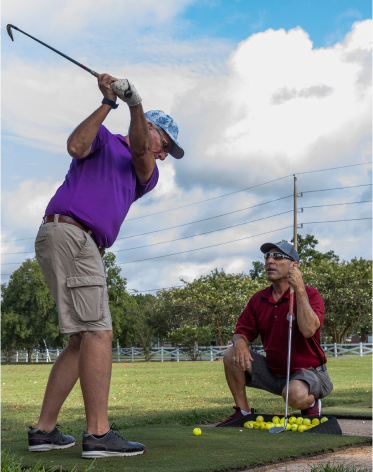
{"x":175,"y":354}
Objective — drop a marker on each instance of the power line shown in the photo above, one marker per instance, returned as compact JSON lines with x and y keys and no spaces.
{"x":205,"y":219}
{"x":215,"y":230}
{"x":245,"y":189}
{"x":209,"y":199}
{"x":206,"y":247}
{"x":334,"y":168}
{"x":334,"y":221}
{"x":336,"y":204}
{"x":241,"y":239}
{"x":336,"y":188}
{"x":187,"y":237}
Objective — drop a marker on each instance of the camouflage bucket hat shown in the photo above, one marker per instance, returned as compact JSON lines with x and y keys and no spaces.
{"x":159,"y":118}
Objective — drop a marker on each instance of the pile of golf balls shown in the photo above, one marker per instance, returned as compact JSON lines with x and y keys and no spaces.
{"x":293,"y":424}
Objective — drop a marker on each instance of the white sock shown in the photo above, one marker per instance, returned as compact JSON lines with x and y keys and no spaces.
{"x":313,"y":404}
{"x":245,"y":412}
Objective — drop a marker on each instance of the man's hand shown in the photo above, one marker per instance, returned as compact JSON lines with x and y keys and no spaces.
{"x":295,"y":278}
{"x":104,"y":81}
{"x":241,"y":354}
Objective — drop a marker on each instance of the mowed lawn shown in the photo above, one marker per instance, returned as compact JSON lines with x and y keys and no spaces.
{"x":179,"y":393}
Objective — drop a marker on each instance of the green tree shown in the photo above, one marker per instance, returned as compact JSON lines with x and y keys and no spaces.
{"x":35,"y":316}
{"x":308,"y":254}
{"x":346,"y":288}
{"x":120,"y":302}
{"x":215,"y":300}
{"x":12,"y":333}
{"x":191,"y":338}
{"x":141,"y":329}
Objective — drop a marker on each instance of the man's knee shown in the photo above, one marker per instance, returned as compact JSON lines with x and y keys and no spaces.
{"x":299,"y":393}
{"x":228,"y":357}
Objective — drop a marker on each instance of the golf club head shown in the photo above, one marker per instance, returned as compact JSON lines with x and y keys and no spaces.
{"x":277,"y":429}
{"x":9,"y":30}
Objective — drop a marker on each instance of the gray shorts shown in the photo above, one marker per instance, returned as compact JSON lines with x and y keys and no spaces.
{"x":319,"y":382}
{"x":75,"y":274}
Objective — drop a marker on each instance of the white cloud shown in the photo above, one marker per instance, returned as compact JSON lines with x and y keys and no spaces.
{"x":25,"y":206}
{"x":277,"y":106}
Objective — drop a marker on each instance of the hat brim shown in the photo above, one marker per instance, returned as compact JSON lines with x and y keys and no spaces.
{"x":176,"y":151}
{"x":268,"y":246}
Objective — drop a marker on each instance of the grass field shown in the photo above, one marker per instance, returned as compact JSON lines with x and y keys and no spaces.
{"x":164,"y":397}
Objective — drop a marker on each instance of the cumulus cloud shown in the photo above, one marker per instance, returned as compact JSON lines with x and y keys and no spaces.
{"x":277,"y":106}
{"x":25,"y":205}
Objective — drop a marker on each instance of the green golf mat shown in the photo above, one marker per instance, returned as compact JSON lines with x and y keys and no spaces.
{"x":354,"y":410}
{"x":176,"y":449}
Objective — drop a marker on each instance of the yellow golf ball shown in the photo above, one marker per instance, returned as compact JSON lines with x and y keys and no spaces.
{"x":306,"y":421}
{"x":282,"y":420}
{"x":268,"y":425}
{"x":256,"y":425}
{"x":263,"y":426}
{"x":315,"y":421}
{"x":299,"y":421}
{"x":294,"y":427}
{"x":324,"y":419}
{"x":275,"y":419}
{"x":259,"y":419}
{"x":288,"y":426}
{"x":249,"y":424}
{"x":197,"y":432}
{"x":302,"y":428}
{"x":292,"y":419}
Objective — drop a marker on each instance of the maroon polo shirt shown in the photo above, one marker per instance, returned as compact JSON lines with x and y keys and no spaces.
{"x":268,"y":318}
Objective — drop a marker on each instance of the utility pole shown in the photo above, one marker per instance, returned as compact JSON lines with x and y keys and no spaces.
{"x":296,"y":227}
{"x":295,"y":215}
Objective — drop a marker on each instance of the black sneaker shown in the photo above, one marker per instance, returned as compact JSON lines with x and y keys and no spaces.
{"x":110,"y":445}
{"x":40,"y":441}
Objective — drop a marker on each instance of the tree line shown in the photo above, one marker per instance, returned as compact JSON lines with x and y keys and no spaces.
{"x":198,"y":313}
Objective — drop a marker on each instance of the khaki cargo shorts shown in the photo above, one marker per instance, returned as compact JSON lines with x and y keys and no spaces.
{"x":75,"y":274}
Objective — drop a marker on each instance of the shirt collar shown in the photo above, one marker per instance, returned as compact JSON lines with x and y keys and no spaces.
{"x":267,"y":293}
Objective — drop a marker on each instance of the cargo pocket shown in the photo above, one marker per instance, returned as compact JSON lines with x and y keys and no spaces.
{"x":87,"y":294}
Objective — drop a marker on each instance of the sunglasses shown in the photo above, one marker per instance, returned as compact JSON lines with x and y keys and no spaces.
{"x":165,"y":145}
{"x":276,"y":256}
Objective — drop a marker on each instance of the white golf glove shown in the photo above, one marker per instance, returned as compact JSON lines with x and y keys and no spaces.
{"x":122,"y":87}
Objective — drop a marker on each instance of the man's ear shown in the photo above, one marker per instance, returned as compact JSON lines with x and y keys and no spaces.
{"x":150,"y":125}
{"x":295,"y":264}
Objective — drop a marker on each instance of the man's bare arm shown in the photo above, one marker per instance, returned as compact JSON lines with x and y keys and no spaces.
{"x":308,"y":321}
{"x":79,"y":144}
{"x":141,"y":144}
{"x":242,"y":357}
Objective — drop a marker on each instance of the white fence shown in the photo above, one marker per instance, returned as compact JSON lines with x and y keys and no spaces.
{"x":175,"y":354}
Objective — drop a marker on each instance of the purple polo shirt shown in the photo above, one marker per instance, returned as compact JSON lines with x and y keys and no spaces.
{"x":99,"y":189}
{"x":268,"y":318}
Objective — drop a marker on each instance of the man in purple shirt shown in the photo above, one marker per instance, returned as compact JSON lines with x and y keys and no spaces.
{"x":108,"y":173}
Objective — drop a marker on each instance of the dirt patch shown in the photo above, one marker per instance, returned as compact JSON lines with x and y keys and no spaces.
{"x":360,"y":457}
{"x":356,"y":427}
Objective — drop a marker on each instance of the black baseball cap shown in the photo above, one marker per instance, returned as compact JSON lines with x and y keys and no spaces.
{"x":284,"y":247}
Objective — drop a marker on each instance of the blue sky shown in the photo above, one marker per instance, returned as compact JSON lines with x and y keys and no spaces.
{"x":260,"y":90}
{"x":325,"y":21}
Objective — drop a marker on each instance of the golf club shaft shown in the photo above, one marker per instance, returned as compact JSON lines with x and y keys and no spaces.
{"x":49,"y":47}
{"x":291,"y":311}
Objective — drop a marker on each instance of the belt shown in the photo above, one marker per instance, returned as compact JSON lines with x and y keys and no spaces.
{"x":321,"y":367}
{"x":72,"y":221}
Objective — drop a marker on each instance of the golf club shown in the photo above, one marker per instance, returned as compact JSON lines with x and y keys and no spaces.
{"x":9,"y":27}
{"x":280,"y":429}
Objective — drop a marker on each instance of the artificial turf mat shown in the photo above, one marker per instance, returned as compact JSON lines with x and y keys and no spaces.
{"x":175,"y":449}
{"x":354,"y":410}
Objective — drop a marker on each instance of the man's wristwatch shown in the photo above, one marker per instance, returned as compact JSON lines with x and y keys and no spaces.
{"x":107,"y":101}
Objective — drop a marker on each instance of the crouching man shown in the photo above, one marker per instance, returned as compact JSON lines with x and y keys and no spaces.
{"x":266,"y":315}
